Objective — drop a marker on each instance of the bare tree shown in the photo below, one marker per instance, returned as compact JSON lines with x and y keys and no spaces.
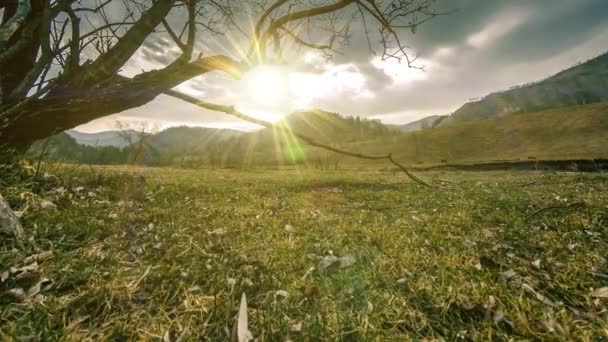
{"x":138,"y":137}
{"x":60,"y":60}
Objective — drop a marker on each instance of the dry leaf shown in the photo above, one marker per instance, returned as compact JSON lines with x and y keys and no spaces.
{"x":552,"y":327}
{"x":17,"y":293}
{"x":602,"y":292}
{"x":38,"y":257}
{"x":240,"y":331}
{"x":194,"y":288}
{"x":281,"y":293}
{"x":508,"y":275}
{"x":46,"y":204}
{"x":327,"y":261}
{"x":218,"y":232}
{"x":347,"y":260}
{"x":296,"y":328}
{"x":538,"y":295}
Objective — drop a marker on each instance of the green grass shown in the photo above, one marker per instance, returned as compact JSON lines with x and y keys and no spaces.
{"x":175,"y":255}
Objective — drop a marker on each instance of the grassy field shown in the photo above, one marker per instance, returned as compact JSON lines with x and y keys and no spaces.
{"x":347,"y":255}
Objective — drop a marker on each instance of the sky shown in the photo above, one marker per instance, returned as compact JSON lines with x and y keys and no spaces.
{"x":483,"y":47}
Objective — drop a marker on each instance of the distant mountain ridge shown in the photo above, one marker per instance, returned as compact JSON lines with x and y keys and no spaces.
{"x":418,"y":125}
{"x":582,"y":84}
{"x":106,"y":138}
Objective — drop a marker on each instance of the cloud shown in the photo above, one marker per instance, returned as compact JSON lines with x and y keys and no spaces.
{"x":484,"y":47}
{"x":499,"y":25}
{"x":399,"y":71}
{"x":444,"y":51}
{"x":270,"y":92}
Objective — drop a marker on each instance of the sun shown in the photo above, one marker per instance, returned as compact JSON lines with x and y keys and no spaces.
{"x":270,"y":92}
{"x":265,"y":93}
{"x":267,"y":84}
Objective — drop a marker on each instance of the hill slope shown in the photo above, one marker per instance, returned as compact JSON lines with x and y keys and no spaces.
{"x":418,"y":125}
{"x":583,"y":84}
{"x":560,"y":133}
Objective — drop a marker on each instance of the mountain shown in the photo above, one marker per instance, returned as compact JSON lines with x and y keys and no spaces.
{"x":107,"y":138}
{"x":582,"y":84}
{"x":330,"y":127}
{"x":278,"y":145}
{"x":418,"y":125}
{"x":191,"y":145}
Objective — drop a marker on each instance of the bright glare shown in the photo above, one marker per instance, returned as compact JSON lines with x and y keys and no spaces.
{"x":265,"y":92}
{"x":267,"y":85}
{"x":269,"y":92}
{"x":399,"y":71}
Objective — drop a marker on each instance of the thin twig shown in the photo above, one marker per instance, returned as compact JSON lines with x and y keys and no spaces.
{"x":535,"y":181}
{"x":41,"y":156}
{"x":556,"y":207}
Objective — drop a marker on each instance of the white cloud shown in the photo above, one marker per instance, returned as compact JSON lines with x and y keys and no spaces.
{"x":499,"y":26}
{"x":444,"y":51}
{"x":400,"y":72}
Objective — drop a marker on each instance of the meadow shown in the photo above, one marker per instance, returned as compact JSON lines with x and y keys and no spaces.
{"x":345,"y":255}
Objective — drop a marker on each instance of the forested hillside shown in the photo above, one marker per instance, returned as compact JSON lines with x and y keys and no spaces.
{"x":582,"y":84}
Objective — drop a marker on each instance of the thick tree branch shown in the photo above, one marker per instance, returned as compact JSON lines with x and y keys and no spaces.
{"x":14,"y":23}
{"x":173,"y":36}
{"x":260,"y":45}
{"x":109,"y":62}
{"x":74,"y":59}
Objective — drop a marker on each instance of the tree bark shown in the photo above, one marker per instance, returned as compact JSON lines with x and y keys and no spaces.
{"x":70,"y":105}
